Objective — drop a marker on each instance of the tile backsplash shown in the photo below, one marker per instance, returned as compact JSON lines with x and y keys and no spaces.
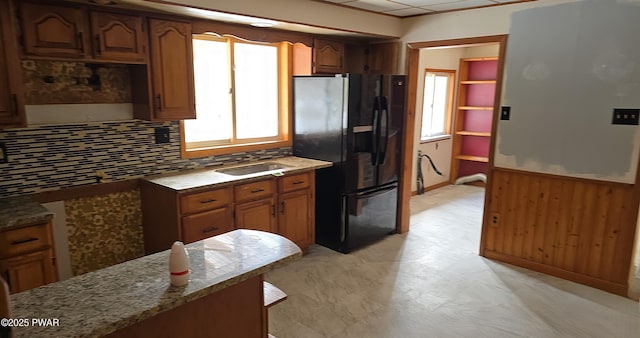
{"x":51,"y":157}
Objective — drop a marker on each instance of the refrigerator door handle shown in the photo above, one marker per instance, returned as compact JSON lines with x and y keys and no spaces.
{"x":343,"y":219}
{"x":375,"y":192}
{"x":375,"y":133}
{"x":385,"y":118}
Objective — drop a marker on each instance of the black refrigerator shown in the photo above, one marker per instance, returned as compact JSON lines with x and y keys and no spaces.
{"x":354,"y":121}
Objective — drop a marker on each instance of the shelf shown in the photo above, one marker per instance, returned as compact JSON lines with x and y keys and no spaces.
{"x":473,"y":133}
{"x":472,"y":158}
{"x":475,"y":108}
{"x":470,"y":82}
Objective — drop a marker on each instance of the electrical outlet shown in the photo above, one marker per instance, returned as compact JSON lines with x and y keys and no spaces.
{"x":625,"y":116}
{"x":505,"y":113}
{"x":495,"y":219}
{"x":162,"y":135}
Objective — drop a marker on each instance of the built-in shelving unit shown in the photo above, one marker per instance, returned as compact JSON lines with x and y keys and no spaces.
{"x":474,"y":114}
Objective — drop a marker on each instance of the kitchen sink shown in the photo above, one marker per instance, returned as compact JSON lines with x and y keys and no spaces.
{"x":253,"y":169}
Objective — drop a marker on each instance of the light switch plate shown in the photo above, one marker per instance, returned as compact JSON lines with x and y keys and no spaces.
{"x":505,"y":113}
{"x":625,"y":116}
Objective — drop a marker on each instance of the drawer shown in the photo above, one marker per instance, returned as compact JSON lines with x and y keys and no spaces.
{"x":206,"y":224}
{"x":205,"y":200}
{"x":254,"y":190}
{"x":295,"y":182}
{"x":21,"y":240}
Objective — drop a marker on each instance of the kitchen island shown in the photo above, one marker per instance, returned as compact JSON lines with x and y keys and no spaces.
{"x":135,"y":299}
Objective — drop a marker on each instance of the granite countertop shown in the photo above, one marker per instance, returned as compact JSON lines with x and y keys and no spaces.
{"x":101,"y":302}
{"x":20,"y":211}
{"x":200,"y":178}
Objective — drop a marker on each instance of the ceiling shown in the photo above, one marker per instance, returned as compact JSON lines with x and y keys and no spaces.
{"x":403,"y":8}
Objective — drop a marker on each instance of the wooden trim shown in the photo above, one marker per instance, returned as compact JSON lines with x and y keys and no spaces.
{"x":250,"y":33}
{"x":464,"y":42}
{"x":407,"y":154}
{"x":619,"y":289}
{"x":486,"y":217}
{"x":432,"y":187}
{"x":566,"y":178}
{"x":285,"y":109}
{"x":65,"y":194}
{"x":451,"y":73}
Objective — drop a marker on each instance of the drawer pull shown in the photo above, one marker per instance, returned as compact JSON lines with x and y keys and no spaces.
{"x":257,"y":191}
{"x":211,"y":229}
{"x":297,"y":182}
{"x":208,"y":201}
{"x":273,"y":210}
{"x":22,"y":241}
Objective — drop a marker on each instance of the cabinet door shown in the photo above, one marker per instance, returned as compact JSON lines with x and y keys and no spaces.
{"x":53,"y":30}
{"x":206,"y":224}
{"x":11,"y":92}
{"x":171,"y":70}
{"x":257,"y":215}
{"x":30,"y":271}
{"x":327,"y":56}
{"x":294,"y":220}
{"x":117,"y":37}
{"x":383,"y":58}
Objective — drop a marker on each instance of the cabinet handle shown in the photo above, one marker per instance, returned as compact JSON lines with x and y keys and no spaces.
{"x":297,"y":182}
{"x":81,"y":41}
{"x":158,"y":103}
{"x":98,"y":50}
{"x":211,"y":229}
{"x":282,"y":207}
{"x":273,"y":210}
{"x":22,"y":241}
{"x":208,"y":201}
{"x":257,"y":191}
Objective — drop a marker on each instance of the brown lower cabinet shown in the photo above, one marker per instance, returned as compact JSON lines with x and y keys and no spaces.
{"x":27,"y":257}
{"x":282,"y":205}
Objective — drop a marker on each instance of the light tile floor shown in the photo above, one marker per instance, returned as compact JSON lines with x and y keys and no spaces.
{"x":431,"y":282}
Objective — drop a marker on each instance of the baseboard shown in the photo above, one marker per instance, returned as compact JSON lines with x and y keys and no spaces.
{"x":432,"y":187}
{"x":618,"y":289}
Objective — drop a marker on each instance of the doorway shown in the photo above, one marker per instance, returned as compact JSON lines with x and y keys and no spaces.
{"x":443,"y":148}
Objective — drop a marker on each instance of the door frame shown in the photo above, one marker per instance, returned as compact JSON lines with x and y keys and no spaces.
{"x":412,"y":61}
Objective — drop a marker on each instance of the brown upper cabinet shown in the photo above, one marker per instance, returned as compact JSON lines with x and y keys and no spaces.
{"x":328,"y":56}
{"x":11,"y":89}
{"x":118,"y":36}
{"x":173,"y":93}
{"x":383,"y":58}
{"x":68,"y":32}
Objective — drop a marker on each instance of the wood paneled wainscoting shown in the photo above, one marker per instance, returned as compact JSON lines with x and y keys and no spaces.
{"x":578,"y":229}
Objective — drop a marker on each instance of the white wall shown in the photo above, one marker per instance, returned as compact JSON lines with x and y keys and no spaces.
{"x":562,"y":81}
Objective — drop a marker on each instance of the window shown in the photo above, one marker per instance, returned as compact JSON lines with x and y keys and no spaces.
{"x":241,"y":91}
{"x":436,"y":104}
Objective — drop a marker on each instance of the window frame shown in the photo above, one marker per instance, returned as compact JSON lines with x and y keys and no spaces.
{"x":451,"y":92}
{"x":285,"y":82}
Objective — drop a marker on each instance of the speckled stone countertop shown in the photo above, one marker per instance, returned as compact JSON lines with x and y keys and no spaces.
{"x":21,"y":210}
{"x":200,"y":178}
{"x":101,"y":302}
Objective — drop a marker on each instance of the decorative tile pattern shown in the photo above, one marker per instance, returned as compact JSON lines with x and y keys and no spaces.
{"x":51,"y":82}
{"x":98,"y":303}
{"x":104,"y":230}
{"x":60,"y":156}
